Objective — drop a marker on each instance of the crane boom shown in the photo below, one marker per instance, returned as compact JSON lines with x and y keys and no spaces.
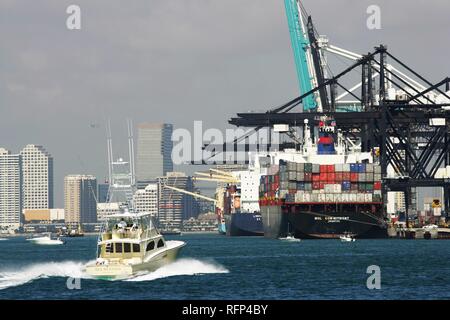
{"x":195,"y":195}
{"x":300,"y":47}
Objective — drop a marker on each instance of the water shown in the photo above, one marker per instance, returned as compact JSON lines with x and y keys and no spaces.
{"x":218,"y":267}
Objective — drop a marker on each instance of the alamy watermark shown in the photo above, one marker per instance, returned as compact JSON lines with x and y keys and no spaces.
{"x":73,"y":283}
{"x":374,"y":280}
{"x":215,"y":146}
{"x":374,"y":20}
{"x":73,"y":21}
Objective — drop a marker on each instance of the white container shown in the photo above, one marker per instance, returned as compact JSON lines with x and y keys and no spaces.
{"x":329,"y":188}
{"x":329,"y":197}
{"x":306,"y":197}
{"x":353,"y":197}
{"x":368,"y":197}
{"x":321,"y":197}
{"x":337,"y":188}
{"x":338,"y":167}
{"x":346,"y":167}
{"x":345,"y":197}
{"x":360,"y":197}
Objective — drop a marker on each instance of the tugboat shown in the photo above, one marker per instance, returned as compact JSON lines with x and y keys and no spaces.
{"x":129,"y":244}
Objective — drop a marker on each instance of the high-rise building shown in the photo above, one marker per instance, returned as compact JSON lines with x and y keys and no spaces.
{"x":10,"y":190}
{"x":104,"y":210}
{"x":174,"y":207}
{"x":146,"y":200}
{"x":37,"y":173}
{"x":154,"y":152}
{"x":102,"y":192}
{"x":80,"y":204}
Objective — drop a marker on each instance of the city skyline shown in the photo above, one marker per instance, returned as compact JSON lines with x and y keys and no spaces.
{"x":58,"y":90}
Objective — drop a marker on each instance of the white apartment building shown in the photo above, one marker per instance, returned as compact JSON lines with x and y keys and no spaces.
{"x":37,"y":178}
{"x":10,"y":190}
{"x":146,"y":200}
{"x":106,"y":209}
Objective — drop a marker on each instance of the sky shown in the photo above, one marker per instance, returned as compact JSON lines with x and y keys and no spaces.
{"x":176,"y":62}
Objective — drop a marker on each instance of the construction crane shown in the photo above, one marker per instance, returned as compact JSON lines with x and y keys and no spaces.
{"x":193,"y":194}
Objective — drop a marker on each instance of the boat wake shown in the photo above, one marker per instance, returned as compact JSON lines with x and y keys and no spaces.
{"x":17,"y":277}
{"x":182,"y":267}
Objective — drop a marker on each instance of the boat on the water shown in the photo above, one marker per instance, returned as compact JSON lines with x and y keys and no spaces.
{"x":46,"y":240}
{"x":347,"y":238}
{"x":131,"y":244}
{"x":290,"y":238}
{"x":3,"y":239}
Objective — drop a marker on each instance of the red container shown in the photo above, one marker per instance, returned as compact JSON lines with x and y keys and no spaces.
{"x":315,"y":177}
{"x":354,"y":177}
{"x":354,"y":187}
{"x":323,"y":177}
{"x":292,"y":191}
{"x":330,"y":168}
{"x":339,"y":177}
{"x":346,"y":176}
{"x":308,"y":177}
{"x":323,"y":168}
{"x":331,"y":177}
{"x":316,"y":185}
{"x":322,"y":185}
{"x":277,"y":179}
{"x":377,"y":185}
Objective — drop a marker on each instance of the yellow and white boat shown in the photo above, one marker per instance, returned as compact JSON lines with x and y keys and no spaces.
{"x":131,"y":244}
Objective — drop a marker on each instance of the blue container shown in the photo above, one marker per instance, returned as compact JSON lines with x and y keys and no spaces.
{"x":346,"y":186}
{"x":354,"y":167}
{"x":300,"y":186}
{"x":361,"y":167}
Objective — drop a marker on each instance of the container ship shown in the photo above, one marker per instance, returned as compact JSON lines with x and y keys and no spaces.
{"x":240,"y":219}
{"x":237,"y":200}
{"x":323,"y":191}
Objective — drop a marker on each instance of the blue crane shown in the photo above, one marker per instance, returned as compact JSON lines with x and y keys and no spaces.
{"x":300,"y":45}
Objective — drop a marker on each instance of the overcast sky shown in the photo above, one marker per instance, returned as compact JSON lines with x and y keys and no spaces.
{"x":174,"y":61}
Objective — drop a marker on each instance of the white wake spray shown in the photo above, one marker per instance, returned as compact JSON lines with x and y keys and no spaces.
{"x":182,"y":267}
{"x":12,"y":278}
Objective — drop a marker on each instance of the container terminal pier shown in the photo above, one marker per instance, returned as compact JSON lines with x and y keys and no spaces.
{"x":347,"y":148}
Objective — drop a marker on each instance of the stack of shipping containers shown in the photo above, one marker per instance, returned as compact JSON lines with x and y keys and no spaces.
{"x":292,"y":182}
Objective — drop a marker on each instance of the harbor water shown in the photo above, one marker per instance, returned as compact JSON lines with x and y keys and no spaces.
{"x":218,"y":267}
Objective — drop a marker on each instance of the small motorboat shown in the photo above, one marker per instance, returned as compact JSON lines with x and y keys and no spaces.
{"x":290,"y":238}
{"x":3,"y":239}
{"x":347,"y":238}
{"x":131,"y":244}
{"x":46,"y":240}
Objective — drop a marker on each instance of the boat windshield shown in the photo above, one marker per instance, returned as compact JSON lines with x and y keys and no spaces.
{"x":129,"y":223}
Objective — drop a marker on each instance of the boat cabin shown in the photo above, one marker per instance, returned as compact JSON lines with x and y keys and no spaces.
{"x":128,"y":236}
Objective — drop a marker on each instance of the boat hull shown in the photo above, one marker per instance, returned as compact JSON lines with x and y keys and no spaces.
{"x":274,"y":222}
{"x":119,"y":271}
{"x":244,"y":224}
{"x":327,"y":222}
{"x":319,"y":222}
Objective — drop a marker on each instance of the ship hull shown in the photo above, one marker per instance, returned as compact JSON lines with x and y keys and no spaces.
{"x":244,"y":225}
{"x":329,"y":222}
{"x":274,"y":221}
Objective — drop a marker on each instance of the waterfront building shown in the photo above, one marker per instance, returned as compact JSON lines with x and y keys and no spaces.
{"x":80,"y":193}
